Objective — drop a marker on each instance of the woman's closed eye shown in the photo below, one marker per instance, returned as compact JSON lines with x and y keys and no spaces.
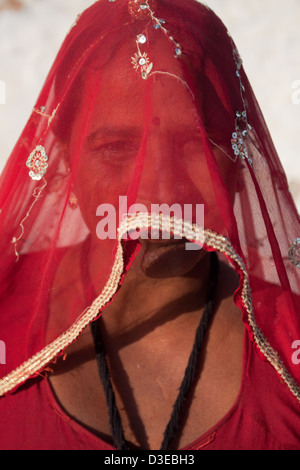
{"x":114,"y":151}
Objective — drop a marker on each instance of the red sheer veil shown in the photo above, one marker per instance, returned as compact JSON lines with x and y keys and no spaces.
{"x":146,"y":117}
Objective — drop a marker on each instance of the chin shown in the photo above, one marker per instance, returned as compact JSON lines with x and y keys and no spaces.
{"x":163,"y":261}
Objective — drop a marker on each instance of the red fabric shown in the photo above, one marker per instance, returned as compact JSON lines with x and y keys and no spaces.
{"x":264,"y":417}
{"x":160,"y":133}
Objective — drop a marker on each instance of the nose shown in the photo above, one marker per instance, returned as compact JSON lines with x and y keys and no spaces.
{"x":161,"y":181}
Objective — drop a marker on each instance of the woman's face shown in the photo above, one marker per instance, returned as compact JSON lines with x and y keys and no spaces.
{"x":143,"y":141}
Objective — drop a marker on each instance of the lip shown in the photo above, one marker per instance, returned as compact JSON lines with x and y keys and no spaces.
{"x":166,"y":242}
{"x":156,"y":238}
{"x":162,"y":246}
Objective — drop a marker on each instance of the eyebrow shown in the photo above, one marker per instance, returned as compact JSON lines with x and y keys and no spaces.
{"x":131,"y":132}
{"x":115,"y":132}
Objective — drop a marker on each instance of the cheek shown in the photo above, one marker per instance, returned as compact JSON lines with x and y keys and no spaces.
{"x":95,"y":185}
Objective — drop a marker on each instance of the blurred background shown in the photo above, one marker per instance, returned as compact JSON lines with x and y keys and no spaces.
{"x":266,"y":32}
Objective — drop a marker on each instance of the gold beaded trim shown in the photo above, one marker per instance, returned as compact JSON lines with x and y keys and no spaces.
{"x":41,"y":359}
{"x":191,"y":232}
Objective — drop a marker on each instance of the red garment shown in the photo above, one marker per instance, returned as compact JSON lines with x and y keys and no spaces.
{"x":264,"y":417}
{"x":148,"y":102}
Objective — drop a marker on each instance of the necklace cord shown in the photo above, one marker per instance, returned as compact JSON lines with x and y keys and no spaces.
{"x":114,"y":415}
{"x":188,"y":379}
{"x":191,"y":369}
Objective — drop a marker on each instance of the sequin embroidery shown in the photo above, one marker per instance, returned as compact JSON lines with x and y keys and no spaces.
{"x":294,"y":253}
{"x":240,"y":136}
{"x":141,"y":60}
{"x":139,"y":9}
{"x":37,"y":163}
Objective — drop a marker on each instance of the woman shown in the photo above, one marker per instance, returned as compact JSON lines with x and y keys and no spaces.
{"x":115,"y":292}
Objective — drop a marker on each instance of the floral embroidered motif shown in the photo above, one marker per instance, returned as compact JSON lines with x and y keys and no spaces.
{"x":142,"y":9}
{"x":142,"y":61}
{"x":294,"y":253}
{"x":37,"y":163}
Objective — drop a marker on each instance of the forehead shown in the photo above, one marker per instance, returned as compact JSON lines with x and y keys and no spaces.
{"x":123,"y":96}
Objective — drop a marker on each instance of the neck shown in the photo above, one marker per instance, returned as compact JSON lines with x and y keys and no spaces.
{"x":145,"y":302}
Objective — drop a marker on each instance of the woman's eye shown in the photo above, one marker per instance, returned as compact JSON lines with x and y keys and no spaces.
{"x":117,"y":146}
{"x":115,"y":151}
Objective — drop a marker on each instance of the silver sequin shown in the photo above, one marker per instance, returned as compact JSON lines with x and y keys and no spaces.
{"x":294,"y":253}
{"x":37,"y":163}
{"x":141,"y":38}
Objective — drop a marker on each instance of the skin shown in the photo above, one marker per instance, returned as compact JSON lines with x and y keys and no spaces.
{"x":148,"y":330}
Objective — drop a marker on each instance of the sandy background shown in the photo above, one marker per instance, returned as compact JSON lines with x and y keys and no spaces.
{"x":267,"y":34}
